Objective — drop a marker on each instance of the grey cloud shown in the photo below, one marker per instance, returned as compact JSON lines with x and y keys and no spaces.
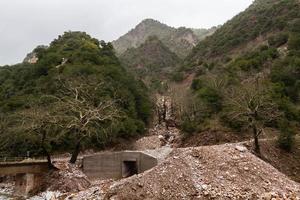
{"x":24,"y":24}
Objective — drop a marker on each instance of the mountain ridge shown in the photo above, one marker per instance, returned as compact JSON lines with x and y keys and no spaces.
{"x":179,"y":40}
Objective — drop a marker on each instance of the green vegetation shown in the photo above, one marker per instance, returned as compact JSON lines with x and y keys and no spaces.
{"x":247,"y":74}
{"x":260,"y":19}
{"x":61,"y":102}
{"x":286,"y":137}
{"x":254,"y":60}
{"x":152,"y":62}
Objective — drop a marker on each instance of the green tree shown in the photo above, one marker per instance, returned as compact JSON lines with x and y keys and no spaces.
{"x":286,"y":138}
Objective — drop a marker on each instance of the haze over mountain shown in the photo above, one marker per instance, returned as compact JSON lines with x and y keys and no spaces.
{"x":179,"y":40}
{"x":38,"y":22}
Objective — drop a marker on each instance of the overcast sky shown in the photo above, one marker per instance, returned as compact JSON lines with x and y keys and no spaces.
{"x":24,"y":24}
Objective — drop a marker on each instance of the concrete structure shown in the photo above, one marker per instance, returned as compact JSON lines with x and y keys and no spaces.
{"x":34,"y":167}
{"x":116,"y":165}
{"x":29,"y":175}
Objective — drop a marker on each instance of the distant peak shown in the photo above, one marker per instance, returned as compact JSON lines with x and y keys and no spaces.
{"x":150,"y":21}
{"x":147,"y":20}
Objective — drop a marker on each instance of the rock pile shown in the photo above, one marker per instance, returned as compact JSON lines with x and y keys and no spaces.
{"x":69,"y":178}
{"x":215,"y":172}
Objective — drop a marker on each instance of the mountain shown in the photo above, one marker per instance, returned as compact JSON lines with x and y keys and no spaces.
{"x":31,"y":57}
{"x":152,"y":62}
{"x":249,"y":29}
{"x":202,"y":33}
{"x":150,"y":57}
{"x":252,"y":60}
{"x":179,"y":40}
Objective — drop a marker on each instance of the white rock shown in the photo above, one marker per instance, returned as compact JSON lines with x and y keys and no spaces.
{"x":241,"y":148}
{"x":204,"y":186}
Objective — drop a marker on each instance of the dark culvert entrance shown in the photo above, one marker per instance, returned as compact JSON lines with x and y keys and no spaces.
{"x":129,"y":168}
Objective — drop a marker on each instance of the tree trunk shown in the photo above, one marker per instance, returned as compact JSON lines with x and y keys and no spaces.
{"x":256,"y":143}
{"x":158,"y":115}
{"x":49,"y":161}
{"x":75,"y":153}
{"x":50,"y":165}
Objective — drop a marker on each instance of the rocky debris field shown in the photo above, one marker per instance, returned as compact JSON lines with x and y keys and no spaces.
{"x":215,"y":172}
{"x":6,"y":188}
{"x":158,"y":136}
{"x":228,"y":171}
{"x":160,"y":154}
{"x":68,"y":178}
{"x":147,"y":142}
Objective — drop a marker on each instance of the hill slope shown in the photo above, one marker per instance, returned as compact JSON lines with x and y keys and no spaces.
{"x":151,"y":60}
{"x":255,"y":52}
{"x":74,"y":62}
{"x":180,"y":40}
{"x":262,"y":19}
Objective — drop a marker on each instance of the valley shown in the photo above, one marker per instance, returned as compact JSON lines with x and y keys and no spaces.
{"x":217,"y":110}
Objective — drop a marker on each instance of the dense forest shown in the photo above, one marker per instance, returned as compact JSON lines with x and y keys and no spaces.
{"x":76,"y":96}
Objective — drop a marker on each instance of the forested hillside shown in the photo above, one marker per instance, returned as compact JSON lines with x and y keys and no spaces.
{"x":263,"y":20}
{"x":77,"y":95}
{"x":152,"y":62}
{"x":247,"y":74}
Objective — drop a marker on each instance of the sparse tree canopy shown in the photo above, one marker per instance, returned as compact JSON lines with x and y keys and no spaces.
{"x":42,"y":123}
{"x":252,"y":105}
{"x":84,"y":111}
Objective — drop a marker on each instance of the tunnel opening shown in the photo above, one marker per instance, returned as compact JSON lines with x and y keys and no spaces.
{"x":129,"y":168}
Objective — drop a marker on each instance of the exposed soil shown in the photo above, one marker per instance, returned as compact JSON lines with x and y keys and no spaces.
{"x":68,"y":178}
{"x":212,"y":137}
{"x":199,"y":169}
{"x":227,"y":171}
{"x":286,"y":162}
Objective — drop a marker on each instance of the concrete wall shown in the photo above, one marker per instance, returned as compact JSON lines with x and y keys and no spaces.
{"x":110,"y":165}
{"x":29,"y":175}
{"x":28,"y":184}
{"x":20,"y":168}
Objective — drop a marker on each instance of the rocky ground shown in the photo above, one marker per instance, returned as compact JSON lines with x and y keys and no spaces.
{"x":216,"y":172}
{"x":6,"y":188}
{"x":227,"y":171}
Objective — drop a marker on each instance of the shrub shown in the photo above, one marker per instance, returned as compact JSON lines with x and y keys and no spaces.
{"x":197,"y":84}
{"x":211,"y":97}
{"x":286,"y":137}
{"x":294,"y":42}
{"x":177,"y":77}
{"x":188,"y":126}
{"x":278,"y":40}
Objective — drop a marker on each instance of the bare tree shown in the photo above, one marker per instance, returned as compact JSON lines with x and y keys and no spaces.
{"x":251,"y":103}
{"x":85,"y":109}
{"x":183,"y":102}
{"x":41,"y":122}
